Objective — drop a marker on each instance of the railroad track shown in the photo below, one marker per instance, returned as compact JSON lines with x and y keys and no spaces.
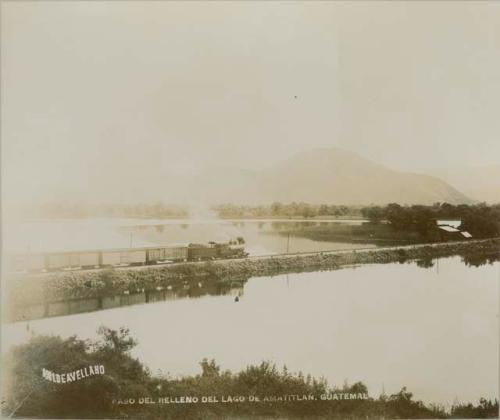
{"x":282,"y":255}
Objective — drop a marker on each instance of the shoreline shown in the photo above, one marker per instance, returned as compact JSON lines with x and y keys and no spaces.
{"x":29,"y":289}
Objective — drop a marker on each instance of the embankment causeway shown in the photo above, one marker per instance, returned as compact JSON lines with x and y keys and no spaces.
{"x":35,"y":288}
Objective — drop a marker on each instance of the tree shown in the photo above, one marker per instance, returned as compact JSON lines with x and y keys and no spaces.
{"x":323,"y":210}
{"x":374,"y":214}
{"x":277,"y":209}
{"x":29,"y":394}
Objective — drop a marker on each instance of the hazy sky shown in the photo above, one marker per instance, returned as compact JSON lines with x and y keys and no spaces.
{"x":95,"y":92}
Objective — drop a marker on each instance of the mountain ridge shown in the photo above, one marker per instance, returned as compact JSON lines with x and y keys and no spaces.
{"x":481,"y":183}
{"x":325,"y":175}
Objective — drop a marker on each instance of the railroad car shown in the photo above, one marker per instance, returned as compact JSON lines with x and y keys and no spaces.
{"x":155,"y":255}
{"x":62,"y":260}
{"x":134,"y":256}
{"x":112,"y":258}
{"x":178,"y":253}
{"x":124,"y":257}
{"x":89,"y":259}
{"x":57,"y":261}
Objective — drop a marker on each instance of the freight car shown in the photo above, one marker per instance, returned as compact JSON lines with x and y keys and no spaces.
{"x":65,"y":260}
{"x":159,"y":255}
{"x":124,"y":257}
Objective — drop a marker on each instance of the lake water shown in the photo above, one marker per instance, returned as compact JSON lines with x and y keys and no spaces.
{"x":261,"y":236}
{"x":434,"y":329}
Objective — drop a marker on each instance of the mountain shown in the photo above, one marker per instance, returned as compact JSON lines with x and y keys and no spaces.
{"x":481,"y":183}
{"x":317,"y":176}
{"x":330,"y":175}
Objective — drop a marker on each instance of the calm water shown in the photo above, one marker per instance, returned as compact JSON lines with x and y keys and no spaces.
{"x":262,"y":237}
{"x":434,"y":330}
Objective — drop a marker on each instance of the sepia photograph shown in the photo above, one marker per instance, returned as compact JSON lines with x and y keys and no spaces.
{"x":250,"y":210}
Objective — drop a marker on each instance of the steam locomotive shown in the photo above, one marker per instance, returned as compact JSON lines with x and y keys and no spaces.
{"x":73,"y":260}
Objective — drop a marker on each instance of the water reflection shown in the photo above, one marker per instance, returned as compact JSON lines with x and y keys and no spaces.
{"x":477,"y":260}
{"x":392,"y":324}
{"x":262,"y":237}
{"x":194,"y":288}
{"x":425,"y":263}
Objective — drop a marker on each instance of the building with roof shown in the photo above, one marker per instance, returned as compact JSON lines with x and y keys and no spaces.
{"x":450,"y":230}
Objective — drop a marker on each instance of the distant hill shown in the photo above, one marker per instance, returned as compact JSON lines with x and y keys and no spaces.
{"x":330,"y":175}
{"x":481,"y":183}
{"x":318,"y":176}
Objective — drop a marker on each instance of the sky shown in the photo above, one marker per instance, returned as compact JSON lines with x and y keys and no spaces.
{"x":95,"y":92}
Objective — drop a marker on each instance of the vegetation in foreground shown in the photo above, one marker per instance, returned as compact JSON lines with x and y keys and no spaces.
{"x":28,"y":394}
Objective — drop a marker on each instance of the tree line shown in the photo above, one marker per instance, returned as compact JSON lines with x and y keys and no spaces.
{"x":286,"y":210}
{"x":481,"y":220}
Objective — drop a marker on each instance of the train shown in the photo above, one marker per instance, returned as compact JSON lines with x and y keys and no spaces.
{"x":73,"y":260}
